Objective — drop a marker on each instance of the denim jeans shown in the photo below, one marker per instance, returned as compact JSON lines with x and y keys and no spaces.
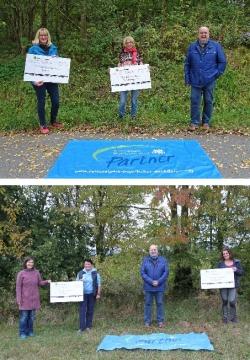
{"x":196,"y":95}
{"x":123,"y":100}
{"x":86,"y":311}
{"x":26,"y":319}
{"x":229,"y":297}
{"x":159,"y":297}
{"x":53,"y":92}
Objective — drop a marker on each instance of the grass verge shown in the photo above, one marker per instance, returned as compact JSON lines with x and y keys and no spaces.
{"x":56,"y":329}
{"x":87,"y":99}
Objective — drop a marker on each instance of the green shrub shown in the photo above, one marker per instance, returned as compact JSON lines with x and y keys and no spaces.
{"x":8,"y":306}
{"x":121,"y":279}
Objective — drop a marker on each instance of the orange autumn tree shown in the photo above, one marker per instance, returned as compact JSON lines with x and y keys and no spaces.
{"x":178,"y":204}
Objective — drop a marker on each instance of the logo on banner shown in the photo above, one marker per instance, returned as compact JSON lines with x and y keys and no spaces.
{"x":132,"y":155}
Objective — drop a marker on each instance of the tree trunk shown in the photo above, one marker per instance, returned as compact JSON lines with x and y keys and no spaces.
{"x":83,"y":23}
{"x":16,"y":23}
{"x":31,"y":17}
{"x":164,"y":12}
{"x":44,"y":13}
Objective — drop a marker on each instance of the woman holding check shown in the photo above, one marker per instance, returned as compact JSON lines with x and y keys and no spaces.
{"x":229,"y":296}
{"x":42,"y":45}
{"x":92,"y":291}
{"x":129,"y":55}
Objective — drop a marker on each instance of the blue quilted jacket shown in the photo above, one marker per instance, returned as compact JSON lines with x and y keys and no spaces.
{"x":38,"y":50}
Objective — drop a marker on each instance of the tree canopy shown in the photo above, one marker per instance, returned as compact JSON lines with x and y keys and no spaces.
{"x":60,"y":226}
{"x":96,"y":28}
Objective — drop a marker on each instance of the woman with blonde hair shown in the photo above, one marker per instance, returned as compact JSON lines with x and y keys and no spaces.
{"x":129,"y":55}
{"x":42,"y":45}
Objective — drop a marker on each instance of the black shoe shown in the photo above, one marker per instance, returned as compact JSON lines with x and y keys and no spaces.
{"x":234,"y":320}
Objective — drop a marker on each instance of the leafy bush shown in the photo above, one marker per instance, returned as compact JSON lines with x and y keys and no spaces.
{"x":13,"y":69}
{"x":175,"y":42}
{"x":121,"y":278}
{"x":245,"y":39}
{"x":8,"y":306}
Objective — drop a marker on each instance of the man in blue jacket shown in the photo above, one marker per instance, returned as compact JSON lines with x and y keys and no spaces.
{"x":154,"y":272}
{"x":205,"y":62}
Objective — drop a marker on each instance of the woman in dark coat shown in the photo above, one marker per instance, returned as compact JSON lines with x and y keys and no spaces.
{"x":229,"y":296}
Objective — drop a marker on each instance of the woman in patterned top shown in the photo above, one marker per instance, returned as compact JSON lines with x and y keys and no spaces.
{"x":129,"y":56}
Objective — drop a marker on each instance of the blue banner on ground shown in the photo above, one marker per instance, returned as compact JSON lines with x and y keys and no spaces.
{"x":133,"y":159}
{"x":158,"y":341}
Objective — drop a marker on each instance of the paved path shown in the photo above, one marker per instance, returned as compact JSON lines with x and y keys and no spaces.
{"x":28,"y":155}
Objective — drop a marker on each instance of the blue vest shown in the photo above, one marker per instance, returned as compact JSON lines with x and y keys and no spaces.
{"x":94,"y":278}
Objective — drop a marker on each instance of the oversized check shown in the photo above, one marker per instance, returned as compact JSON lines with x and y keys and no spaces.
{"x":217,"y":278}
{"x":47,"y":69}
{"x":66,"y":291}
{"x":133,"y":77}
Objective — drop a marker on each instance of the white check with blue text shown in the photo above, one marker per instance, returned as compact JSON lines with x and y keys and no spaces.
{"x":217,"y":278}
{"x":133,"y":77}
{"x":47,"y":69}
{"x":66,"y":291}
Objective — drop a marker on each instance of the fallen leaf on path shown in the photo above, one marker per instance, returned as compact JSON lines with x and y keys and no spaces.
{"x":245,"y":164}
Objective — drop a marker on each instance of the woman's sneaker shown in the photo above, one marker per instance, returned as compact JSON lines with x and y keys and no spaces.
{"x":205,"y":127}
{"x":57,"y":124}
{"x":44,"y":130}
{"x":192,"y":127}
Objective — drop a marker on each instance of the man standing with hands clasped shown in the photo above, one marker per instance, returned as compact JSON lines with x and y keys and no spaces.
{"x":154,"y":272}
{"x":205,"y":62}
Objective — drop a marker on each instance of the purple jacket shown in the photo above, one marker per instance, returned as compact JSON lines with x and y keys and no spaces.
{"x":154,"y":270}
{"x":27,"y":289}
